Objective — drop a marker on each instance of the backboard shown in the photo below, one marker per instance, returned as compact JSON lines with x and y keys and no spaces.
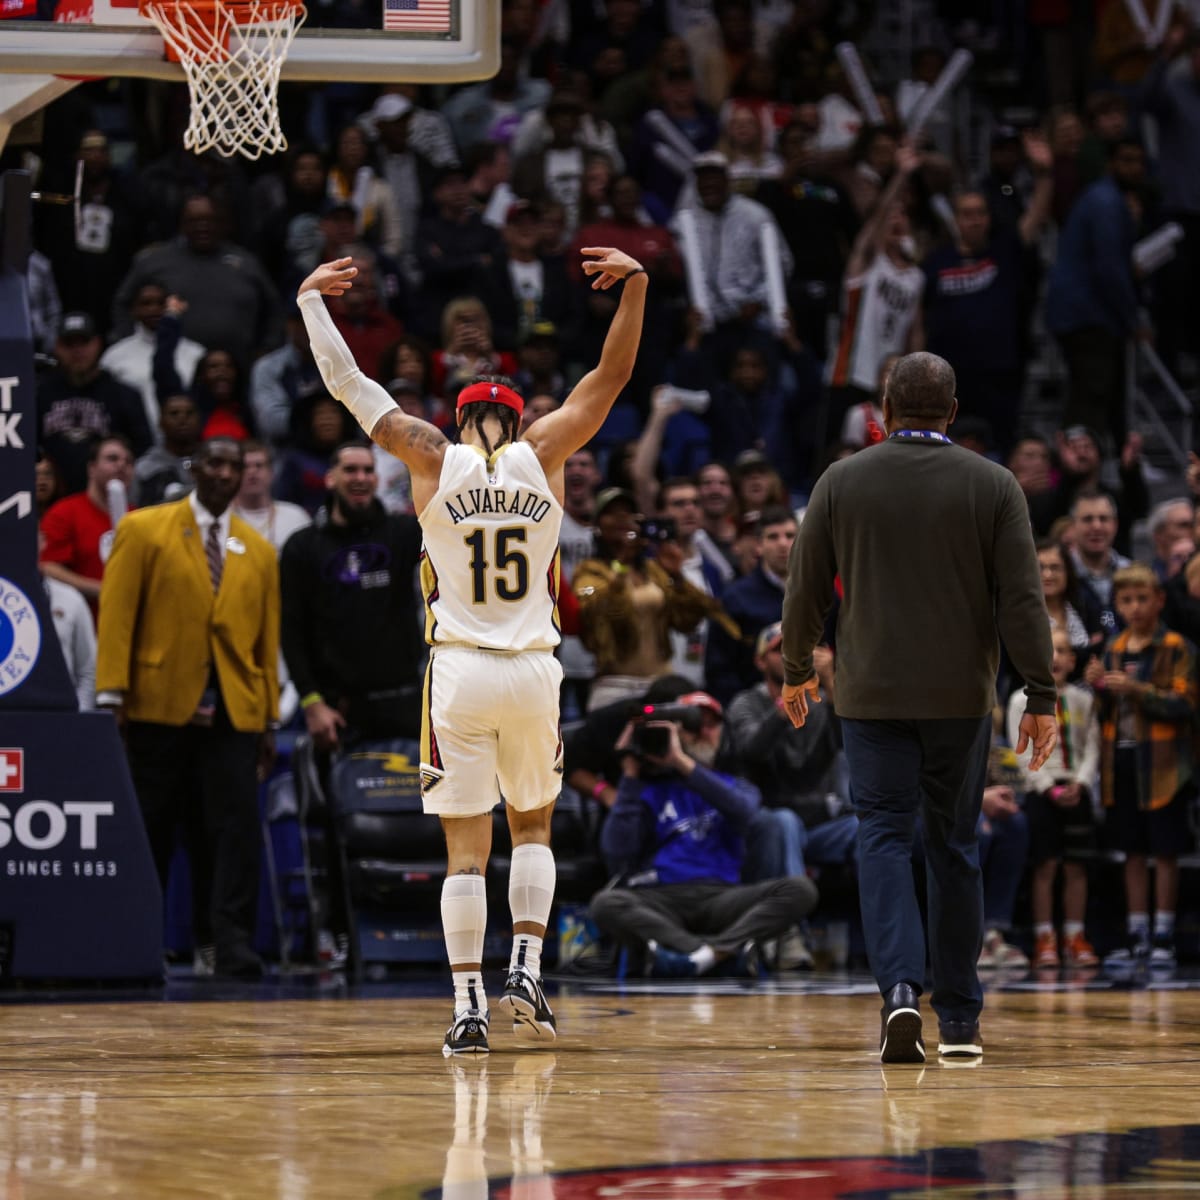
{"x":415,"y":41}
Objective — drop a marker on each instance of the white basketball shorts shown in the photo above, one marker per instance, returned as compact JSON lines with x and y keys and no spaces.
{"x":489,"y":728}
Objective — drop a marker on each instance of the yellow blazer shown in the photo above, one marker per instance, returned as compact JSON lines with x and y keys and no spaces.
{"x":161,"y":627}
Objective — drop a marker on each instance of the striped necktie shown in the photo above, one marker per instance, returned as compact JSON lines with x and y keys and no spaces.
{"x":212,"y":551}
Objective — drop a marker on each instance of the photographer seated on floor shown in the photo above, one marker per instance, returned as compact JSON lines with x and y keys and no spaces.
{"x":674,"y":839}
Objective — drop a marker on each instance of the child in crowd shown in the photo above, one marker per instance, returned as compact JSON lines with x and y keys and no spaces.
{"x":1147,"y":690}
{"x":1058,"y":804}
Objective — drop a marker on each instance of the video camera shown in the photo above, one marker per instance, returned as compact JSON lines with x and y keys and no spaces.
{"x":651,"y":738}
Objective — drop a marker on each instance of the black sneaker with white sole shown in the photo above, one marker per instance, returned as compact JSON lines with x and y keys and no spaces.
{"x":468,"y":1034}
{"x":1162,"y":951}
{"x":525,"y":1002}
{"x":959,"y":1039}
{"x":900,"y":1026}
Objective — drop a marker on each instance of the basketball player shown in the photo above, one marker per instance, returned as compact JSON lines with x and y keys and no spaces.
{"x":490,"y":510}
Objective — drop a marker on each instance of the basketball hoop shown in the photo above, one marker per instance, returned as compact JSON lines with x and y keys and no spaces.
{"x":231,"y":52}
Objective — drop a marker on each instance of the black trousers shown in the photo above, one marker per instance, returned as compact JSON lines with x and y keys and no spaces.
{"x":996,"y":397}
{"x":1096,"y":381}
{"x":1176,"y":294}
{"x":204,"y":777}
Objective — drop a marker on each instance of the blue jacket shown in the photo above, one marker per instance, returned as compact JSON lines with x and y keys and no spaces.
{"x":1091,"y":282}
{"x":679,"y":830}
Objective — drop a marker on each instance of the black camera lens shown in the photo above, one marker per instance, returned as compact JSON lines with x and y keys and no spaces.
{"x":653,"y":741}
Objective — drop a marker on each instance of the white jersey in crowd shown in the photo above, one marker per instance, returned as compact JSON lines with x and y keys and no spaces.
{"x":489,"y":566}
{"x":879,"y":308}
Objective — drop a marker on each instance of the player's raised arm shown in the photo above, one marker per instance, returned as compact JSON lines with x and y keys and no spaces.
{"x":418,"y":444}
{"x":559,"y":434}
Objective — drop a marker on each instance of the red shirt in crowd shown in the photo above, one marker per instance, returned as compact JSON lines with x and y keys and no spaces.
{"x":78,"y":535}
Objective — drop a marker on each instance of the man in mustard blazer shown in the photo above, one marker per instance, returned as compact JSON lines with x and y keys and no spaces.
{"x":187,"y":652}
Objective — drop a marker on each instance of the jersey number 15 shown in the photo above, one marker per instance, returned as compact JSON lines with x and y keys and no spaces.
{"x":504,"y":560}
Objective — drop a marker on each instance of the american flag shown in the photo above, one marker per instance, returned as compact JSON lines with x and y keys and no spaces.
{"x":417,"y":16}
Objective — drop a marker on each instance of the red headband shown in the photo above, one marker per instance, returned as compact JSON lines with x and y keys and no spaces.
{"x":495,"y":393}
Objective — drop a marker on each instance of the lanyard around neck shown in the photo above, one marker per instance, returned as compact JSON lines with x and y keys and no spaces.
{"x":920,"y":435}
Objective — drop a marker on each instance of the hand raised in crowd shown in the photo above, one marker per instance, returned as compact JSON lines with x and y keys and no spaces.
{"x":331,"y":278}
{"x":1131,"y":452}
{"x":908,"y":157}
{"x":1042,"y":731}
{"x":1037,"y":151}
{"x":797,"y":697}
{"x":665,"y":402}
{"x":1093,"y":673}
{"x":323,"y":724}
{"x":608,"y":266}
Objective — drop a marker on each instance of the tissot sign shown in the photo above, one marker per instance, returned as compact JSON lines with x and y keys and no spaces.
{"x":79,"y":897}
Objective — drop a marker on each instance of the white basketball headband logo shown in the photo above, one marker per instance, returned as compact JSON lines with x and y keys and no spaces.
{"x":20,"y":636}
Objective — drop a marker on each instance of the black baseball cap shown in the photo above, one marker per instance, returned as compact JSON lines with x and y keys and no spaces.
{"x":76,"y":326}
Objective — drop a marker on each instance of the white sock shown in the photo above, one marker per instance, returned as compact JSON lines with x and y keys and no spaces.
{"x":1164,"y":923}
{"x":527,"y":953}
{"x":531,"y":880}
{"x":469,"y":995}
{"x":1071,"y":928}
{"x":705,"y":959}
{"x":1138,"y":922}
{"x":1042,"y":928}
{"x":464,"y":919}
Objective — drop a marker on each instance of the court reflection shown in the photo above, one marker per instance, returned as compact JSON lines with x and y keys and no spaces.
{"x":1163,"y":1160}
{"x":490,"y":1097}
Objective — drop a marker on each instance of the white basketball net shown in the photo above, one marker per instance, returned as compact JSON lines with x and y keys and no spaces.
{"x":232,"y":56}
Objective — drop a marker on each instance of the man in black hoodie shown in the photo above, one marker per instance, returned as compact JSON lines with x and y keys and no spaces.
{"x":351,"y":633}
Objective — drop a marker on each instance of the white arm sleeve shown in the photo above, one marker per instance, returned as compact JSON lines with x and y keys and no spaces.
{"x":365,"y":399}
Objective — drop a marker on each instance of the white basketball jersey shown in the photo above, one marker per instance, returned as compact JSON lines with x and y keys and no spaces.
{"x":880,"y":307}
{"x":489,"y":564}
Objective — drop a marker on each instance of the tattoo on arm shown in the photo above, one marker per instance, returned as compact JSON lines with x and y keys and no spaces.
{"x":397,"y":432}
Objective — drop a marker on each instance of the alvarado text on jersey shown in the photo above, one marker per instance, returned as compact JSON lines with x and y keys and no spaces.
{"x":497,"y":500}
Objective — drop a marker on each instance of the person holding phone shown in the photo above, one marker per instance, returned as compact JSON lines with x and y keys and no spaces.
{"x":630,"y":600}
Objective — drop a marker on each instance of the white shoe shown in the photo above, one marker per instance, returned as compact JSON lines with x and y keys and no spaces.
{"x":997,"y":954}
{"x":204,"y":962}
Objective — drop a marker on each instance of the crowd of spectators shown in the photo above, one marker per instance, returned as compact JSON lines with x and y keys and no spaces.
{"x":721,"y":144}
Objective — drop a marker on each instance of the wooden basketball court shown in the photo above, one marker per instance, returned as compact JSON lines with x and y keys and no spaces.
{"x":759,"y":1092}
